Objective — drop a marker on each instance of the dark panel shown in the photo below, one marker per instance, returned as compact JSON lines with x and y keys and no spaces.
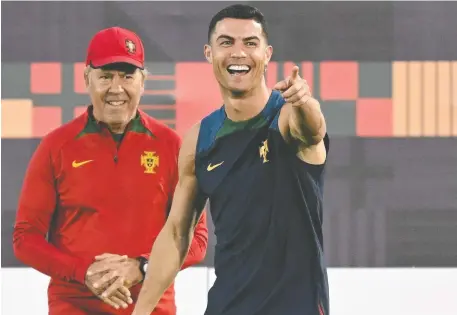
{"x":15,"y":158}
{"x":177,"y":31}
{"x":425,"y":30}
{"x":317,"y":31}
{"x":422,"y":238}
{"x":51,"y":31}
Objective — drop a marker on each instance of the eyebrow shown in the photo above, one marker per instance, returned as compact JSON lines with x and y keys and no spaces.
{"x":231,"y":38}
{"x":251,"y":38}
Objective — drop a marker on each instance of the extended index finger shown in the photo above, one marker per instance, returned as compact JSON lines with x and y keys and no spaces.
{"x":294,"y":75}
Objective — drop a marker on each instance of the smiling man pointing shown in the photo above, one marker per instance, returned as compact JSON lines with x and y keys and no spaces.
{"x":98,"y":190}
{"x":266,"y":198}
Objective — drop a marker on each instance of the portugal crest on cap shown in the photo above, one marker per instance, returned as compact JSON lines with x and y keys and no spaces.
{"x":131,"y":47}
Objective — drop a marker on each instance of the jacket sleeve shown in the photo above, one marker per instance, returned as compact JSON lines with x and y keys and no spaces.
{"x":37,"y":203}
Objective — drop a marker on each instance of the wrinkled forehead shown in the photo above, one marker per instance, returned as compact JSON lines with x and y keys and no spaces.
{"x":117,"y":67}
{"x":238,"y":29}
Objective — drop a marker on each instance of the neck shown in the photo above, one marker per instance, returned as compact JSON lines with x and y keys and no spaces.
{"x":248,"y":105}
{"x":117,"y":128}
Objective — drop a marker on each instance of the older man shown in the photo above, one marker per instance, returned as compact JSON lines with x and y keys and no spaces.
{"x":98,"y":190}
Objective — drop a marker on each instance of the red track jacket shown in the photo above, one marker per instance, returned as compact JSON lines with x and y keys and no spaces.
{"x":89,"y":196}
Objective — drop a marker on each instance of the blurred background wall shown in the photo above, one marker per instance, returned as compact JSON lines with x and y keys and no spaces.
{"x":384,"y":72}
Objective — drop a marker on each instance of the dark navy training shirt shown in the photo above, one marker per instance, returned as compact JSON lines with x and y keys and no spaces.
{"x":266,"y":206}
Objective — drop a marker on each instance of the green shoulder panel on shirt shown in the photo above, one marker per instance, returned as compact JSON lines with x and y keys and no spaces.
{"x":137,"y":126}
{"x":230,"y":126}
{"x":92,"y":126}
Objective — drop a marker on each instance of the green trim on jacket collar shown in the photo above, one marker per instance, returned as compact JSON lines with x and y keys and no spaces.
{"x":94,"y":126}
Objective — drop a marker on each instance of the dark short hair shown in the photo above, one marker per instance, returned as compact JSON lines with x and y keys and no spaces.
{"x":238,"y":11}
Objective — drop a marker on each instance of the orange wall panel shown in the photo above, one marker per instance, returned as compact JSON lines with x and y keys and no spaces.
{"x":444,"y":98}
{"x":374,"y":117}
{"x":454,"y":98}
{"x":339,"y":80}
{"x":197,"y":94}
{"x":46,"y":78}
{"x":17,"y":118}
{"x":400,"y":98}
{"x":429,"y":96}
{"x":45,"y":119}
{"x":272,"y":74}
{"x":79,"y":85}
{"x":415,"y":99}
{"x":79,"y":110}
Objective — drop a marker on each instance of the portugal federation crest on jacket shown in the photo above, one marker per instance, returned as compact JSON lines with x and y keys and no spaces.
{"x":150,"y":161}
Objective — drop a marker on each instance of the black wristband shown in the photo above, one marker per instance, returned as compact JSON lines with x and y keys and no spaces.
{"x":143,"y":261}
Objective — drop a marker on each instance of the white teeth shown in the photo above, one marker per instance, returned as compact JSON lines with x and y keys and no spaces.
{"x":239,"y":68}
{"x":116,"y":103}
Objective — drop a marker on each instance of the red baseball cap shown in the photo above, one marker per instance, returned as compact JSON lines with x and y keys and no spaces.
{"x":113,"y":45}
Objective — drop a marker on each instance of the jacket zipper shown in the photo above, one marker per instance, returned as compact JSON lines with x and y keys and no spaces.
{"x":113,"y":145}
{"x":116,"y":149}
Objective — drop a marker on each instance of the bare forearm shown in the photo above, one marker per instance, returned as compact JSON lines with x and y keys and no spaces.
{"x":199,"y":244}
{"x":172,"y":244}
{"x":307,"y":122}
{"x":164,"y":264}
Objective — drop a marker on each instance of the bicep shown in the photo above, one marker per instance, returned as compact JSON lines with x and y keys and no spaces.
{"x":303,"y":126}
{"x":187,"y":202}
{"x":181,"y":213}
{"x":285,"y":126}
{"x":309,"y":153}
